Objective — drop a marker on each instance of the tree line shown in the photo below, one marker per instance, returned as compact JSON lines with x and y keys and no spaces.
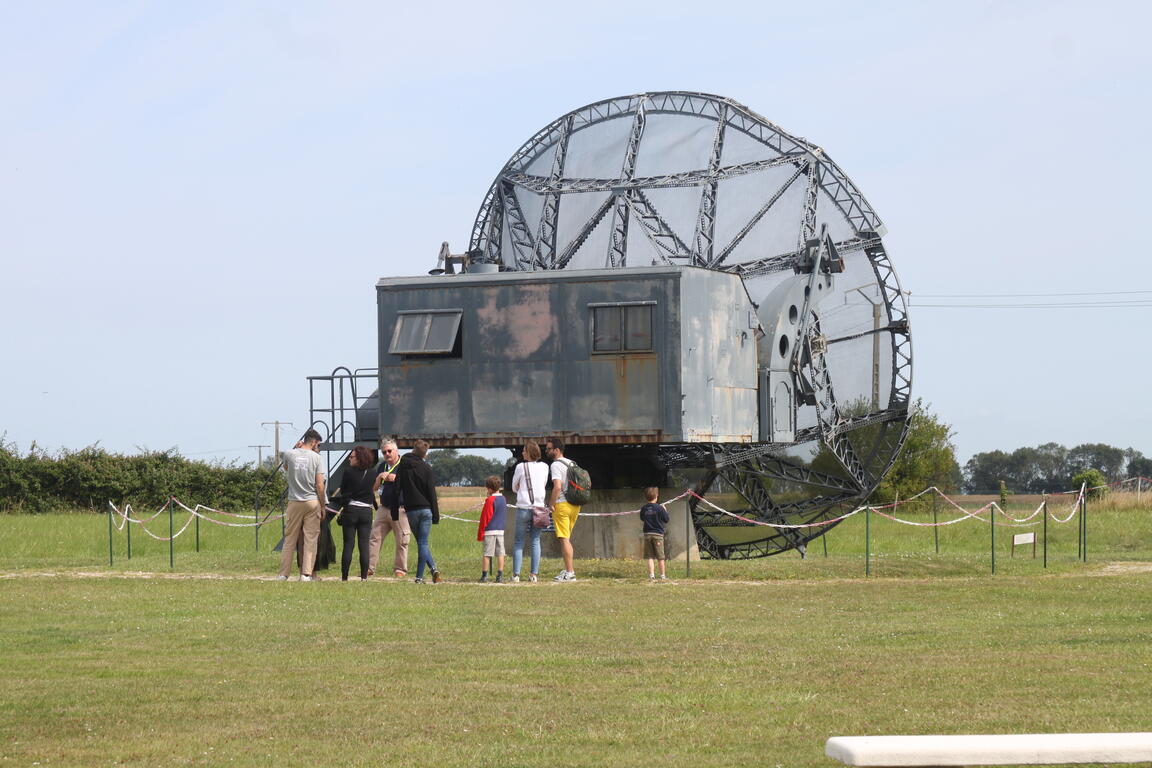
{"x":454,"y":468}
{"x":928,"y":458}
{"x":91,"y":477}
{"x":1051,"y":467}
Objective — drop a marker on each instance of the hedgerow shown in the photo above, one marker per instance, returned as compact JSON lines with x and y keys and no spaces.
{"x":89,"y":478}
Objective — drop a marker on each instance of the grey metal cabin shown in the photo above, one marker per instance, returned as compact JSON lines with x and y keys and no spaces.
{"x":662,"y":354}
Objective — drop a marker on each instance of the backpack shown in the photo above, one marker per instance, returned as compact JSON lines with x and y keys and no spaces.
{"x":578,"y":486}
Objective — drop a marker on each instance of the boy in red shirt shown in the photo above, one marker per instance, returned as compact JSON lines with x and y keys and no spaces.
{"x":491,"y":530}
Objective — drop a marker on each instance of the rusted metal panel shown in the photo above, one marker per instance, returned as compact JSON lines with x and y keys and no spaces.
{"x":616,"y":392}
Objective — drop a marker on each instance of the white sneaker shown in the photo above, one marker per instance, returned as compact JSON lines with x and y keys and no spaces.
{"x":532,"y":577}
{"x":566,"y":576}
{"x":306,"y":578}
{"x":515,"y":578}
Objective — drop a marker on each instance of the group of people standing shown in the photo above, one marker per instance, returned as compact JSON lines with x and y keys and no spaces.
{"x":398,"y":497}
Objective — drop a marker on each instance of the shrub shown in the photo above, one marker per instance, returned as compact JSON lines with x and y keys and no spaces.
{"x":1095,"y":481}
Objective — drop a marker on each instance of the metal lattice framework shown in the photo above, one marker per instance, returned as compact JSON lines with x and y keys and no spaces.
{"x":699,"y":180}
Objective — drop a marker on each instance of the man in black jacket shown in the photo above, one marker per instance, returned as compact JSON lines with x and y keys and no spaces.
{"x":417,"y":487}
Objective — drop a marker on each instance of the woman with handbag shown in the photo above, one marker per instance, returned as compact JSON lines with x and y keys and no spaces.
{"x":528,"y":481}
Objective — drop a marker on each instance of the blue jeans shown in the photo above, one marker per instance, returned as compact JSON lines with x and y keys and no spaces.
{"x":420,"y":521}
{"x":524,"y":530}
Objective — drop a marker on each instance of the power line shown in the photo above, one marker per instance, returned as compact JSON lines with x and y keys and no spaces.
{"x":1101,"y":293}
{"x":1064,"y":305}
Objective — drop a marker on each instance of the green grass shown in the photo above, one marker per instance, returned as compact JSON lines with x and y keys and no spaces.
{"x":1117,"y":531}
{"x":747,"y":663}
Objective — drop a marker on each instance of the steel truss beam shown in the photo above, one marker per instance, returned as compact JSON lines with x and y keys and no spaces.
{"x":785,"y":261}
{"x":550,"y":215}
{"x":667,"y":243}
{"x":808,"y":219}
{"x":897,"y":309}
{"x":694,"y":178}
{"x":523,"y":246}
{"x":706,"y":218}
{"x":618,"y":241}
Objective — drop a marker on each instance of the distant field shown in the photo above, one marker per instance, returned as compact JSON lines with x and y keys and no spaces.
{"x":745,"y":663}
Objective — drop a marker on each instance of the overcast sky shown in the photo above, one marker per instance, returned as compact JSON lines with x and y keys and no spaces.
{"x":196,"y":198}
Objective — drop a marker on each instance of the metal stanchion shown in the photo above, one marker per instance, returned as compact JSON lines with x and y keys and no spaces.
{"x":936,"y":523}
{"x":992,"y":526}
{"x":687,"y":539}
{"x":109,"y":513}
{"x":171,"y":540}
{"x":1084,"y":525}
{"x":1080,"y":527}
{"x":867,"y":541}
{"x":128,"y":530}
{"x":1045,"y":505}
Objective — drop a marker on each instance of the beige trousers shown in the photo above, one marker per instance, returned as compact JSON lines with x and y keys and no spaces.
{"x":381,"y":527}
{"x":301,"y":519}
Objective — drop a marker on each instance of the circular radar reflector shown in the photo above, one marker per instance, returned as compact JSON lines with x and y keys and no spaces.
{"x":693,"y":179}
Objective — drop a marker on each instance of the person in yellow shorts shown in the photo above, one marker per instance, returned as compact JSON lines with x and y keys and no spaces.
{"x":563,"y":514}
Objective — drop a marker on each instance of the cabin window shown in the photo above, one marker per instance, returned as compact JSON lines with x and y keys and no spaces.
{"x":427,"y":332}
{"x":625,"y":327}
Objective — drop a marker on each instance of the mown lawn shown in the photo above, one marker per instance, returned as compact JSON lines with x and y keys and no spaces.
{"x":102,"y":671}
{"x":747,"y":663}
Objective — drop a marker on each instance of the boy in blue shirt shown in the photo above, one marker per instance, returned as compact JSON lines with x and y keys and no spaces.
{"x":491,"y":530}
{"x":655,"y":517}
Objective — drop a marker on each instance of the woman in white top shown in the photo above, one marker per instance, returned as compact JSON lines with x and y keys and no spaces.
{"x":528,"y":481}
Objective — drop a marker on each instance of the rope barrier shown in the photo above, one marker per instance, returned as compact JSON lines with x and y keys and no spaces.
{"x":127,"y":515}
{"x":1075,"y":506}
{"x":205,"y":518}
{"x":144,"y":528}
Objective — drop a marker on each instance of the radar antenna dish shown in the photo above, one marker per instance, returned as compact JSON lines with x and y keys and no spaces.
{"x":698,"y":180}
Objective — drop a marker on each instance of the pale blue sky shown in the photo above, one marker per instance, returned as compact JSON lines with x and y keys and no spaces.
{"x":197,"y":198}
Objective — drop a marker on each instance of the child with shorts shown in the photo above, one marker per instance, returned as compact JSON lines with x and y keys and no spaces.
{"x":491,"y":530}
{"x":655,"y":517}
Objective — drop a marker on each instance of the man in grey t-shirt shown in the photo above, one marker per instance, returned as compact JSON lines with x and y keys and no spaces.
{"x":305,"y":473}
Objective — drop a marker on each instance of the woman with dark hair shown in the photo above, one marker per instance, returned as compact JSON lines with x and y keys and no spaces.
{"x":355,"y":500}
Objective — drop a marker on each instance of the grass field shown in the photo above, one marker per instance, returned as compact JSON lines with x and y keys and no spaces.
{"x":746,"y":663}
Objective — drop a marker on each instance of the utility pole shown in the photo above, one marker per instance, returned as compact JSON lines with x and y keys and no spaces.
{"x":276,"y":440}
{"x":259,"y":454}
{"x":876,"y":318}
